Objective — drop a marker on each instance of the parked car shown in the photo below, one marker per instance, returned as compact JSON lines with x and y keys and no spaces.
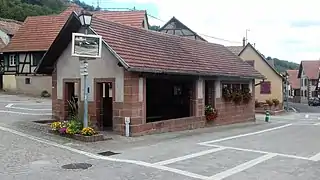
{"x":314,"y":102}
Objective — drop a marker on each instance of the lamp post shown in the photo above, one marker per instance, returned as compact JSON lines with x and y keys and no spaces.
{"x":85,"y":19}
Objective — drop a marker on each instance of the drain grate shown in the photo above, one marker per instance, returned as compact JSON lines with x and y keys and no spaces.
{"x":77,"y":166}
{"x":108,"y":153}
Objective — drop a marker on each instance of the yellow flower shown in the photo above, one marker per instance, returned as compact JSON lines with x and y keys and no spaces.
{"x":56,"y":125}
{"x":88,"y":131}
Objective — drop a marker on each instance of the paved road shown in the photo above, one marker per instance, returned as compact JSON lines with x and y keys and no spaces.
{"x":287,"y":148}
{"x":304,"y":108}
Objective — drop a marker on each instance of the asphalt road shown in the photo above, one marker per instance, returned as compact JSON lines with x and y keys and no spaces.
{"x":304,"y":108}
{"x":287,"y":148}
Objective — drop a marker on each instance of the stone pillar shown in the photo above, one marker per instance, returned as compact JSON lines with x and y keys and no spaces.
{"x":200,"y":90}
{"x":133,"y":105}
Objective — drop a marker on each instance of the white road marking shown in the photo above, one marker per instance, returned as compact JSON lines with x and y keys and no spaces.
{"x":306,"y":116}
{"x":262,"y":152}
{"x":244,"y":135}
{"x":242,"y":167}
{"x":95,"y":156}
{"x":294,"y":109}
{"x":317,"y":124}
{"x":315,"y":157}
{"x":24,"y":113}
{"x":189,"y":156}
{"x":29,"y":109}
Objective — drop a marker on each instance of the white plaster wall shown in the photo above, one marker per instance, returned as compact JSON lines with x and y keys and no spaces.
{"x":36,"y":86}
{"x":104,"y":67}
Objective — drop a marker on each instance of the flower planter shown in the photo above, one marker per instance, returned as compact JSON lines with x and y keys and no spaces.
{"x":79,"y":137}
{"x":93,"y":138}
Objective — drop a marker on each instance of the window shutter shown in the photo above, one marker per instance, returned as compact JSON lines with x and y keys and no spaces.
{"x":265,"y":87}
{"x":6,"y":60}
{"x":17,"y":58}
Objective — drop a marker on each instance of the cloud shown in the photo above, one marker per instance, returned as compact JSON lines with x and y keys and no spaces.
{"x":282,"y":29}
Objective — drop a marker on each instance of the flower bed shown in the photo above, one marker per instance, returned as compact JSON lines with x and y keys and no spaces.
{"x":73,"y":129}
{"x":272,"y":105}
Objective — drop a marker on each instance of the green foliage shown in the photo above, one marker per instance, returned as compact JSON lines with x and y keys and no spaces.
{"x":74,"y":127}
{"x":283,"y":65}
{"x":154,"y":28}
{"x":20,"y":9}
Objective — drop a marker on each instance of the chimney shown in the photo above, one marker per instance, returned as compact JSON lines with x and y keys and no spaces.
{"x":244,"y":42}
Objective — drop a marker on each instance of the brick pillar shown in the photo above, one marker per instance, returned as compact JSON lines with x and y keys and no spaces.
{"x":132,"y":106}
{"x":200,"y":89}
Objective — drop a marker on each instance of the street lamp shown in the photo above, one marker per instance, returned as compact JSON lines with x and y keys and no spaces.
{"x":85,"y":19}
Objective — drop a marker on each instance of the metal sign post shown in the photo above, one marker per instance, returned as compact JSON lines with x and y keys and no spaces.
{"x":84,"y":73}
{"x":86,"y":47}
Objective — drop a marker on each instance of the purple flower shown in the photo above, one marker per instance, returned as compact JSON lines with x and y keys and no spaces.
{"x":63,"y":130}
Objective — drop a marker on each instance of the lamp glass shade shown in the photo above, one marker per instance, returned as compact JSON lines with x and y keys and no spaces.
{"x":85,"y":18}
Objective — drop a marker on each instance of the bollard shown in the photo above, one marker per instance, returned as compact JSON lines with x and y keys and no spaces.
{"x":267,"y":118}
{"x":127,"y":126}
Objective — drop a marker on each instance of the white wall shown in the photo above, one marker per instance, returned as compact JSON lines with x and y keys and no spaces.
{"x":104,"y":67}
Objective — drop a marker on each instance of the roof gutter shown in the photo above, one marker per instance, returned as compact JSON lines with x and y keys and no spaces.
{"x":188,"y":73}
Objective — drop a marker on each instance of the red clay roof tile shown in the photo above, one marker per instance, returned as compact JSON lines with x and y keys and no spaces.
{"x":149,"y":51}
{"x":311,"y":68}
{"x":293,"y":79}
{"x":9,"y":26}
{"x":38,"y":32}
{"x":130,"y":18}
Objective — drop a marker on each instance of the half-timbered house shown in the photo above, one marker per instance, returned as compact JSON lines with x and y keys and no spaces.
{"x":176,"y":27}
{"x":33,"y":39}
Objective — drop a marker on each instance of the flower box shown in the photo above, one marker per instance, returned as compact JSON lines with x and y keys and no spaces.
{"x":79,"y":137}
{"x":93,"y":138}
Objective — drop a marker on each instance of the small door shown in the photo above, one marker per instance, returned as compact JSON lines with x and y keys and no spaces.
{"x":106,"y":109}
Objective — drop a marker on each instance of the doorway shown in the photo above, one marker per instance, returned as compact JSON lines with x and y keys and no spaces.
{"x":104,"y":101}
{"x":72,"y":100}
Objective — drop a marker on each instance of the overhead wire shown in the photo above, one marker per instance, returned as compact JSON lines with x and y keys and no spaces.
{"x":154,"y":17}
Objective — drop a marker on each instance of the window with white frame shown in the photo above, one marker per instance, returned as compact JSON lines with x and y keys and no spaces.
{"x":12,"y":60}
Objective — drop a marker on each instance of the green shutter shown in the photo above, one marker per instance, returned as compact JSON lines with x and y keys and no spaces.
{"x":6,"y":61}
{"x":17,"y":59}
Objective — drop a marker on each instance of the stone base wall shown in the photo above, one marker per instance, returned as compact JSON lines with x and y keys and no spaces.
{"x":229,"y":112}
{"x":136,"y":109}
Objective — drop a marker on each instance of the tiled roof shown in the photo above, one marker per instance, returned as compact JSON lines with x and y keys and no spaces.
{"x":293,"y":79}
{"x":2,"y":44}
{"x":38,"y":32}
{"x":311,"y":68}
{"x":148,"y":51}
{"x":130,"y":18}
{"x":235,"y":49}
{"x":9,"y":26}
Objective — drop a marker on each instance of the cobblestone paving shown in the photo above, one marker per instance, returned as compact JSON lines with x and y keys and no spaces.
{"x":285,"y":148}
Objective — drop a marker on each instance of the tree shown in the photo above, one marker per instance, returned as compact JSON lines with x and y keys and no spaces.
{"x":154,"y":28}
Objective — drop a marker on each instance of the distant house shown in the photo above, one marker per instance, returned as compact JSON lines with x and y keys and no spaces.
{"x":175,"y":27}
{"x":8,"y":28}
{"x":272,"y":86}
{"x":294,"y":83}
{"x":33,"y":39}
{"x":308,"y":75}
